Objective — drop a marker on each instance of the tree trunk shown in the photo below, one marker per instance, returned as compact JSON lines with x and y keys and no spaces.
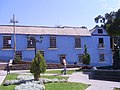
{"x":36,"y":77}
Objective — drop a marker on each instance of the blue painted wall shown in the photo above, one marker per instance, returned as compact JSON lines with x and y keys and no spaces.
{"x":96,"y":51}
{"x":65,"y":45}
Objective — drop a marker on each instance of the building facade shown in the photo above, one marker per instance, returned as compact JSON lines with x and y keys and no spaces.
{"x":57,"y":42}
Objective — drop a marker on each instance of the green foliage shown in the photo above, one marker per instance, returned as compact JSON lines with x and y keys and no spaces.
{"x":59,"y":71}
{"x":86,"y":59}
{"x":86,"y":56}
{"x":85,"y":49}
{"x":100,"y":19}
{"x":11,"y":76}
{"x":111,"y":22}
{"x":113,"y":29}
{"x":16,"y":59}
{"x":116,"y":88}
{"x":66,"y":86}
{"x":10,"y":87}
{"x":38,"y":66}
{"x":54,"y":76}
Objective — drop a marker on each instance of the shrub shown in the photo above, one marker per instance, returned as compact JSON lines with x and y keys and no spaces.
{"x":86,"y":56}
{"x":86,"y":59}
{"x":16,"y":60}
{"x":38,"y":66}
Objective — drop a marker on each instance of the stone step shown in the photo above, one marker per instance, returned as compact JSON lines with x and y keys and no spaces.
{"x":108,"y":78}
{"x":107,"y":73}
{"x":110,"y":75}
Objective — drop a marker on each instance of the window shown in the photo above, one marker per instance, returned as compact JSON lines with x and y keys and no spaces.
{"x":77,"y":42}
{"x":101,"y":43}
{"x":100,"y":31}
{"x":61,"y":57}
{"x":102,"y":57}
{"x":31,"y":42}
{"x":80,"y":58}
{"x":101,"y":40}
{"x":7,"y":42}
{"x":52,"y":41}
{"x":42,"y":53}
{"x":19,"y":54}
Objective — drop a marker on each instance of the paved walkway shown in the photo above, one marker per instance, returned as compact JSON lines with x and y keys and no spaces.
{"x":95,"y":84}
{"x":2,"y":75}
{"x":76,"y":77}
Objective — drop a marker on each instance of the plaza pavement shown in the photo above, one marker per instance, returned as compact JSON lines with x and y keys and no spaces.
{"x":95,"y":84}
{"x":75,"y":77}
{"x":2,"y":75}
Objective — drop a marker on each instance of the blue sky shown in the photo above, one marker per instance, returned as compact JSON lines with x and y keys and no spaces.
{"x":55,"y":12}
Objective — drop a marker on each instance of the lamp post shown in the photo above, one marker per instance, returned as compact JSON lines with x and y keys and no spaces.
{"x":36,"y":41}
{"x":14,"y":21}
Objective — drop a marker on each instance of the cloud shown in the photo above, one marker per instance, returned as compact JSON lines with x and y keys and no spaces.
{"x":110,"y":5}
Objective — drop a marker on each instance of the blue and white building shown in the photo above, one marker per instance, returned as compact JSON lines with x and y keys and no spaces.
{"x":57,"y":42}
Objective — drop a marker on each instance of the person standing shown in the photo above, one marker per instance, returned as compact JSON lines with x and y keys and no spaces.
{"x":64,"y":64}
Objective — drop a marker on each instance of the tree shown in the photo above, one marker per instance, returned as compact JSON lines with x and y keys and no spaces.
{"x":112,"y":26}
{"x":38,"y":66}
{"x":100,"y":19}
{"x":111,"y":22}
{"x":86,"y":56}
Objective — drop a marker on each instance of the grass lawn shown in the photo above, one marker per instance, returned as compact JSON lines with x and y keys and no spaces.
{"x":11,"y":87}
{"x":65,"y":86}
{"x":9,"y":77}
{"x":116,"y":88}
{"x":51,"y":86}
{"x":59,"y":71}
{"x":52,"y":77}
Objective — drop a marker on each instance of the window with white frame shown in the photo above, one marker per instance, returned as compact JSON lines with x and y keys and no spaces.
{"x":52,"y":41}
{"x":31,"y":42}
{"x":7,"y":42}
{"x":77,"y":42}
{"x":101,"y":43}
{"x":102,"y":57}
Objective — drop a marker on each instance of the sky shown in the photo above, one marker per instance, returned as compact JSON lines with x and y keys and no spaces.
{"x":74,"y":13}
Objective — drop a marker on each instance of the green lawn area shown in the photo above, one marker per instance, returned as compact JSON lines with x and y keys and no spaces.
{"x":51,"y":86}
{"x":65,"y":86}
{"x":59,"y":71}
{"x":116,"y":88}
{"x":9,"y":77}
{"x":11,"y":87}
{"x":52,"y":77}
